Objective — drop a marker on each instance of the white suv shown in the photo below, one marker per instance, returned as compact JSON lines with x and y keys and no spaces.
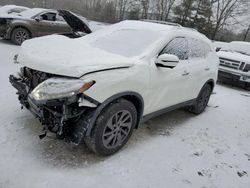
{"x":98,"y":88}
{"x":235,"y":63}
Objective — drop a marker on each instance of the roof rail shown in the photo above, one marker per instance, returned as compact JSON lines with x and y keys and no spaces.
{"x":189,"y":28}
{"x":162,"y":22}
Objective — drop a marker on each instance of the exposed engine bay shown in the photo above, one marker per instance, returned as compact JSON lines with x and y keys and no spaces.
{"x":60,"y":116}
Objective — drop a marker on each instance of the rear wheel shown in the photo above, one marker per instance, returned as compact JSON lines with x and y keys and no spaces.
{"x":19,"y":35}
{"x":113,"y":128}
{"x":202,"y":100}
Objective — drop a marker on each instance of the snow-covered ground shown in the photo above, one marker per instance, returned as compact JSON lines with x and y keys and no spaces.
{"x":175,"y":150}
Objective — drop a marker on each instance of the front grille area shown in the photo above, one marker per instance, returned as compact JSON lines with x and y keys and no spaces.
{"x":230,"y":63}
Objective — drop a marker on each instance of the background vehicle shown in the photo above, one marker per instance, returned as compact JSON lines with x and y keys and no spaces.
{"x":235,"y":63}
{"x":98,"y":88}
{"x":10,"y":9}
{"x":38,"y":22}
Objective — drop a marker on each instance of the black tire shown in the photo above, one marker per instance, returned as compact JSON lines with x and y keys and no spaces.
{"x":19,"y":35}
{"x":113,"y":128}
{"x":202,"y":100}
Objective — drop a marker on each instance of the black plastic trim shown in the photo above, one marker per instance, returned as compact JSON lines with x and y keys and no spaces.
{"x":90,"y":99}
{"x":231,"y":60}
{"x":168,"y":109}
{"x":107,"y":102}
{"x":164,"y":66}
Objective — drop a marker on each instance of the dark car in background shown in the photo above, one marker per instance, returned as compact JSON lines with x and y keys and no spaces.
{"x":38,"y":22}
{"x":12,"y":9}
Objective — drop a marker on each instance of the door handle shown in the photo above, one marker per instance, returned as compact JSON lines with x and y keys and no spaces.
{"x":185,"y":74}
{"x":207,"y":69}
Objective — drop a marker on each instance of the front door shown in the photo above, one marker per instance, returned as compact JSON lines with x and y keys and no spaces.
{"x":170,"y":86}
{"x":45,"y":24}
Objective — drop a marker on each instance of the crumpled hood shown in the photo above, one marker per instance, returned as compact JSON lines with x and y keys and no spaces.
{"x":234,"y":56}
{"x":60,"y":55}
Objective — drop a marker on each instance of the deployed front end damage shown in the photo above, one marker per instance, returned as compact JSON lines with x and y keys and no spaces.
{"x":58,"y":102}
{"x":3,"y":27}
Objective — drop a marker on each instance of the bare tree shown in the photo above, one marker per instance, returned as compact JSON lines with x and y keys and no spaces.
{"x":163,"y":8}
{"x":122,"y":7}
{"x":224,"y":10}
{"x":246,"y":34}
{"x":145,"y":8}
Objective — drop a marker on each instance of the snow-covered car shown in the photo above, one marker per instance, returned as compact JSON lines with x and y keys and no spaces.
{"x":38,"y":22}
{"x":235,"y":63}
{"x":98,"y":88}
{"x":10,"y":9}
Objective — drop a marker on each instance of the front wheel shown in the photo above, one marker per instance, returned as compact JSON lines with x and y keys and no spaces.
{"x":202,"y":100}
{"x":19,"y":35}
{"x":113,"y":128}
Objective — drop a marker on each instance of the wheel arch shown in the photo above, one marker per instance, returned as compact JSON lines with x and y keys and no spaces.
{"x":210,"y":82}
{"x":23,"y":27}
{"x":133,"y":97}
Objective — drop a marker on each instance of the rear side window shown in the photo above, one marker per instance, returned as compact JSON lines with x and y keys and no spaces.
{"x":198,"y":48}
{"x":178,"y":47}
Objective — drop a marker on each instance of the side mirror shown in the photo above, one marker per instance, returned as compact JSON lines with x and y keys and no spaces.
{"x":167,"y":61}
{"x":38,"y":19}
{"x":218,"y":49}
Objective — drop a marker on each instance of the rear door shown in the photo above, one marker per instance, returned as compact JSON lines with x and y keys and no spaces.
{"x":198,"y":66}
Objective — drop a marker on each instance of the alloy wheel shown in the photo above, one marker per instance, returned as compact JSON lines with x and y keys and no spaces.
{"x":21,"y":36}
{"x":117,"y":129}
{"x":204,"y":98}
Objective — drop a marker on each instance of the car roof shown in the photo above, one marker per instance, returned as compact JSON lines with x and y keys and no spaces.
{"x":33,"y":12}
{"x":163,"y":28}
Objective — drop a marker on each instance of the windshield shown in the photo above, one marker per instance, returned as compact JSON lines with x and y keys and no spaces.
{"x":125,"y":42}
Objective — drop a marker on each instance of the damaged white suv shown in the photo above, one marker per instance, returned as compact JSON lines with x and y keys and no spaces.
{"x":98,"y":88}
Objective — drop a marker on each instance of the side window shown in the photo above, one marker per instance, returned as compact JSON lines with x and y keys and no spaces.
{"x":207,"y":49}
{"x":198,"y":48}
{"x":59,"y":18}
{"x":48,"y":16}
{"x":178,"y":47}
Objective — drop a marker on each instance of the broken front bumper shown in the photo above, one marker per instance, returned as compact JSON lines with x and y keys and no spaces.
{"x":59,"y":116}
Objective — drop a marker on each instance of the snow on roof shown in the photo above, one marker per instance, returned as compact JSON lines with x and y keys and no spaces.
{"x":238,"y":46}
{"x":241,"y":46}
{"x":133,"y":24}
{"x":5,"y":9}
{"x":32,"y":12}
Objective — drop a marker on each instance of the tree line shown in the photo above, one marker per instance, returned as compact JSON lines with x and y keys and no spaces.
{"x":214,"y":18}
